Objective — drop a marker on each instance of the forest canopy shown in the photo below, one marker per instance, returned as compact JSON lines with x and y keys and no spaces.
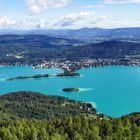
{"x":34,"y":116}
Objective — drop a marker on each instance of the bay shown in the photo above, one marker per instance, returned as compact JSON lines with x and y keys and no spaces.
{"x":114,"y":90}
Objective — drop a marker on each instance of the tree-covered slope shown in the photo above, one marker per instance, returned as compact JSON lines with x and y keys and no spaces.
{"x":36,"y":105}
{"x":72,"y":128}
{"x":106,"y":49}
{"x":32,"y":49}
{"x":33,"y":116}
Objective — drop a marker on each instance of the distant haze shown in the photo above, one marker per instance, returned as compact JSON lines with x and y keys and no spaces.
{"x":92,"y":34}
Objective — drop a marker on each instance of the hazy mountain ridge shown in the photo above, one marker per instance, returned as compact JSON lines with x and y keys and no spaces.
{"x":39,"y":40}
{"x":84,"y":34}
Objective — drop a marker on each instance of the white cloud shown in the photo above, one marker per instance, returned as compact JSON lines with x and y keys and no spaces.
{"x":73,"y":18}
{"x":100,"y":21}
{"x":7,"y":22}
{"x":104,"y":21}
{"x":42,"y":24}
{"x":37,"y":6}
{"x":26,"y":24}
{"x":122,"y":1}
{"x":13,"y":23}
{"x":94,"y":6}
{"x":134,"y":1}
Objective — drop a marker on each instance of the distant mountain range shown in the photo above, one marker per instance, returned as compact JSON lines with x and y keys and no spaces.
{"x":28,"y":48}
{"x":84,"y":34}
{"x":39,"y":41}
{"x":33,"y":48}
{"x":107,"y":49}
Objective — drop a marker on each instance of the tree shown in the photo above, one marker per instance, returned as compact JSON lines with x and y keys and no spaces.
{"x":106,"y":128}
{"x":77,"y":136}
{"x":6,"y":134}
{"x":43,"y":134}
{"x":127,"y":133}
{"x":135,"y":131}
{"x":57,"y":136}
{"x":34,"y":134}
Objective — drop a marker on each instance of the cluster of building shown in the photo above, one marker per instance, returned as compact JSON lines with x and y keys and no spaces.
{"x":70,"y":65}
{"x":84,"y":63}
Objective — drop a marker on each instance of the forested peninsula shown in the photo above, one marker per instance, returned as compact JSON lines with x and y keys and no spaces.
{"x":31,"y":115}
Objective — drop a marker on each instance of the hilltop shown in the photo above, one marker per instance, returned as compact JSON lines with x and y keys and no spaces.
{"x":35,"y":105}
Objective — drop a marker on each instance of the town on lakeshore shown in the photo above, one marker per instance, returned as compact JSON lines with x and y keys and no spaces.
{"x":79,"y":64}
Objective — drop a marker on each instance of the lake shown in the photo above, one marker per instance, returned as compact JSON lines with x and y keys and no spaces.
{"x":114,"y":90}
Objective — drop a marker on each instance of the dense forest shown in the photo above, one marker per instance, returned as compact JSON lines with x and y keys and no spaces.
{"x":30,"y":49}
{"x":24,"y":116}
{"x":107,"y":49}
{"x":35,"y":105}
{"x":72,"y":128}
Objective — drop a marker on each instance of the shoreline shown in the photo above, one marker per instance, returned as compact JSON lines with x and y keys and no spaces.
{"x":4,"y":66}
{"x":68,"y":65}
{"x":93,"y":104}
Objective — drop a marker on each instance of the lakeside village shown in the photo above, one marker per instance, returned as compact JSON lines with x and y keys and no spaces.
{"x":70,"y":65}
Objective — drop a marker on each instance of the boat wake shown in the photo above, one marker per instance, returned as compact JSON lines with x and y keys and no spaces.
{"x":85,"y":89}
{"x":2,"y":79}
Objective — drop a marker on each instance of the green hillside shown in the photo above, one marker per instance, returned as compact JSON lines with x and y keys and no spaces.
{"x":39,"y":106}
{"x":33,"y":116}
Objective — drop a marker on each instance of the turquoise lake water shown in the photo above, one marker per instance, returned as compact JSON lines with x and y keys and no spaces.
{"x":114,"y":90}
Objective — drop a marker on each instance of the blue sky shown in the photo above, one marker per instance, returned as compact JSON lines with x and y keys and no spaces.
{"x":56,"y":14}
